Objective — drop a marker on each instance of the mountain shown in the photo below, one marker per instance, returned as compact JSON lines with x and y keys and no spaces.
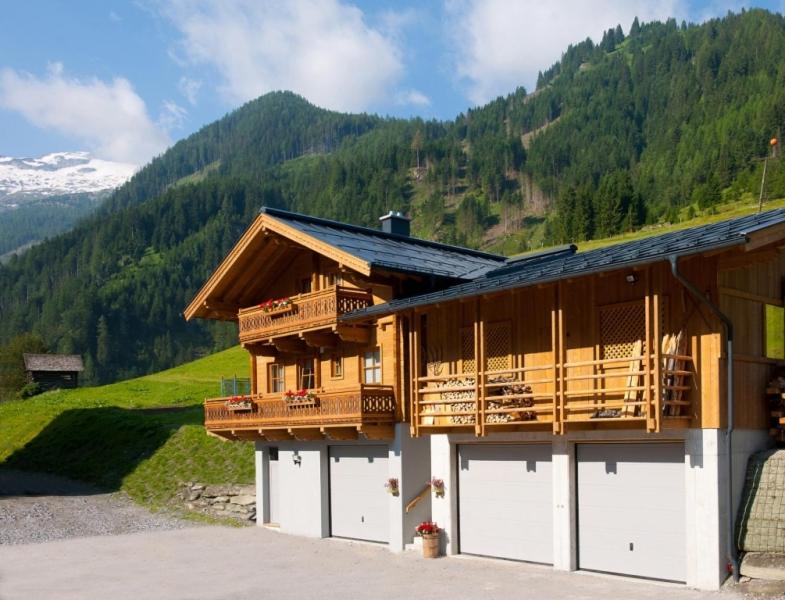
{"x":24,"y":180}
{"x":632,"y":131}
{"x":42,"y":197}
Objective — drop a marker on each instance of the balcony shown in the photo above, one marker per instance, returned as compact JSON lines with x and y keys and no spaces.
{"x":369,"y":410}
{"x":621,"y":392}
{"x":307,"y":312}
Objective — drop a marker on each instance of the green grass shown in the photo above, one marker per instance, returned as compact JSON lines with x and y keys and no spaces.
{"x":143,"y":436}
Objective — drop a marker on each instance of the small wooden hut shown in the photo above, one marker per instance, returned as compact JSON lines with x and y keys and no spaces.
{"x":52,"y":371}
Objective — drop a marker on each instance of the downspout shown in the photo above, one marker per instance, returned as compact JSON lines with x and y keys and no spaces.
{"x":733,"y":552}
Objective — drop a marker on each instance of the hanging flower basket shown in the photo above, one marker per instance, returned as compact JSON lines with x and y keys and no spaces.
{"x":300,"y":398}
{"x":239,"y":403}
{"x":392,"y":486}
{"x":277,"y":307}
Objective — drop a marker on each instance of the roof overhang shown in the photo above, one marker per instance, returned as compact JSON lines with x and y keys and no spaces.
{"x":221,"y":296}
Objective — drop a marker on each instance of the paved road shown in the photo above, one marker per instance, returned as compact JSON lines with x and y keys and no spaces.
{"x":207,"y":563}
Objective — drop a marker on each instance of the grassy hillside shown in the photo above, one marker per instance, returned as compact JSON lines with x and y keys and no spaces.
{"x":142,"y":436}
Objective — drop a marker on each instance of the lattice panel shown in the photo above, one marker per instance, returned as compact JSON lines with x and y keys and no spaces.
{"x":468,"y":364}
{"x":621,"y":325}
{"x":498,"y":346}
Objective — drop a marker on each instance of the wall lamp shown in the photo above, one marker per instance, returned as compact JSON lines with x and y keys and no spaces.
{"x":296,"y":458}
{"x":631,"y":278}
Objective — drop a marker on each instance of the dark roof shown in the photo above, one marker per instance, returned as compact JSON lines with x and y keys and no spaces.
{"x":53,"y":362}
{"x":562,"y":264}
{"x":393,"y":252}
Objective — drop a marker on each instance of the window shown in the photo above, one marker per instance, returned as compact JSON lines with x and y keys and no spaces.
{"x":334,"y":279}
{"x":774,"y":323}
{"x":275,"y":378}
{"x":336,"y":367}
{"x":306,"y":374}
{"x":305,"y":286}
{"x":372,"y":366}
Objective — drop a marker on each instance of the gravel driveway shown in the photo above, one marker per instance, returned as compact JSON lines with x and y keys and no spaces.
{"x":38,"y":508}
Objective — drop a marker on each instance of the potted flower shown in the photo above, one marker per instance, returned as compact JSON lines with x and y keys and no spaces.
{"x":239,"y":403}
{"x":429,"y":532}
{"x":277,"y":305}
{"x":437,"y":485}
{"x":392,"y":486}
{"x":299,"y":397}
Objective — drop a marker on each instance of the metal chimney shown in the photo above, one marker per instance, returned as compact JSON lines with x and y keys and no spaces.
{"x":395,"y":222}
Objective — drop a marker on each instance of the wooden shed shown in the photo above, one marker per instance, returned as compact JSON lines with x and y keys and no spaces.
{"x":52,"y":371}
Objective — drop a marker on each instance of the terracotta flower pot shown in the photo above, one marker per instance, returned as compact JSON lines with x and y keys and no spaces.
{"x":430,"y":545}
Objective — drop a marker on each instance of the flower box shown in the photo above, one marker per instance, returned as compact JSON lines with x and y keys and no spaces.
{"x":300,"y":398}
{"x":239,"y":403}
{"x":277,"y":307}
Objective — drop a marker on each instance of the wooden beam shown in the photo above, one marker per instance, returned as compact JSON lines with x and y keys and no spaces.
{"x":767,"y":236}
{"x":306,"y":434}
{"x":276,"y":435}
{"x":378,"y":432}
{"x":749,"y":296}
{"x":246,"y":435}
{"x":340,"y":433}
{"x":290,"y":345}
{"x":222,"y":306}
{"x":320,"y":339}
{"x":357,"y":335}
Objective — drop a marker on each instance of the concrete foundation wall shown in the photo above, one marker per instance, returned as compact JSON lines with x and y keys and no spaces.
{"x":706,"y":490}
{"x":304,"y":492}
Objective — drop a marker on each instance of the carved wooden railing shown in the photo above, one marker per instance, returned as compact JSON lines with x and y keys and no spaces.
{"x":365,"y":404}
{"x":308,"y":311}
{"x":650,"y":390}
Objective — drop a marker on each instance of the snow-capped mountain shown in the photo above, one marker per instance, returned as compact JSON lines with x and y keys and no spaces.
{"x":27,"y":179}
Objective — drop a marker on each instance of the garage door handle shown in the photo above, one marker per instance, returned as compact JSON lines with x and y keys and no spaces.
{"x":631,"y":547}
{"x":362,"y":519}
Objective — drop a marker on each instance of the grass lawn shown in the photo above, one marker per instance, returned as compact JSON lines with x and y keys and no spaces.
{"x":143,"y":436}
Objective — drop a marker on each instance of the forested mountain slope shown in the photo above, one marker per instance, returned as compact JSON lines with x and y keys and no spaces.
{"x":619,"y":134}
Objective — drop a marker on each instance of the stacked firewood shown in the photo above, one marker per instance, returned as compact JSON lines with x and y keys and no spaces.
{"x":775,"y":397}
{"x":463,"y":400}
{"x":515,"y":388}
{"x":459,"y":400}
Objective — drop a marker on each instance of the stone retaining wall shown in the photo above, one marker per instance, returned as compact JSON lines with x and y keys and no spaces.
{"x":235,"y":501}
{"x":761,"y":523}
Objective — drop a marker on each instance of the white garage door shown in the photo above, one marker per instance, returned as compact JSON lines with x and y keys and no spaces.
{"x":505,"y":501}
{"x":631,"y":509}
{"x":359,"y":505}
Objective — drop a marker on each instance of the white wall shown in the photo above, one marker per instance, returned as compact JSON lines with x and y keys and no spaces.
{"x":706,"y":490}
{"x":304,"y":487}
{"x":409,"y":461}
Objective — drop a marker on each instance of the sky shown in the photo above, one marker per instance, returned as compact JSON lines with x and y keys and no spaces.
{"x":126,"y":79}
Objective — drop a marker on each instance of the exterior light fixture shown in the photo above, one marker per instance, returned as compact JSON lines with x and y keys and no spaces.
{"x":296,"y":458}
{"x":631,"y":278}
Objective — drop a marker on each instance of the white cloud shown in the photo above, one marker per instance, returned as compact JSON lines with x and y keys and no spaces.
{"x":502,"y":44}
{"x":172,"y":116}
{"x":189,"y":88}
{"x":321,"y":49}
{"x":412,"y":97}
{"x":108,"y":117}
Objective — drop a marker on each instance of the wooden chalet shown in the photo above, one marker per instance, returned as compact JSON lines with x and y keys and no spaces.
{"x":580,"y":407}
{"x":52,"y":371}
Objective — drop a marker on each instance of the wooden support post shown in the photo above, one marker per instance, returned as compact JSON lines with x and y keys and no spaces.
{"x":650,"y":426}
{"x":657,"y":362}
{"x":477,"y":370}
{"x":254,"y":374}
{"x":562,"y":357}
{"x":415,"y":337}
{"x":557,"y":426}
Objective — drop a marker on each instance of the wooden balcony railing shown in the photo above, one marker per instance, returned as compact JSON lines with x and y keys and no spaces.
{"x":368,"y":408}
{"x":632,"y":390}
{"x":307,"y":312}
